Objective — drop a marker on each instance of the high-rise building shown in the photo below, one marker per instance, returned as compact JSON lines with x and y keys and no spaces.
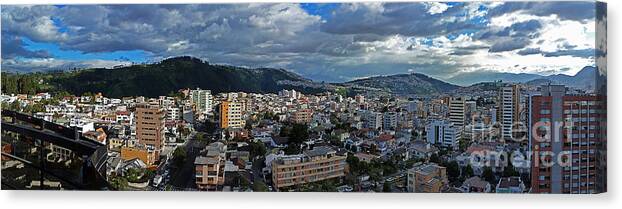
{"x":456,"y":114}
{"x":456,"y":111}
{"x":442,"y":133}
{"x":231,"y":115}
{"x":566,"y":134}
{"x":202,"y":100}
{"x":509,"y":109}
{"x":150,"y":128}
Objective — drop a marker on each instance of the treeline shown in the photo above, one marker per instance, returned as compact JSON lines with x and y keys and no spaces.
{"x":21,"y":83}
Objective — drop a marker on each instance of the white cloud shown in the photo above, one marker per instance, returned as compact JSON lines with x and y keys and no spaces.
{"x":436,"y":7}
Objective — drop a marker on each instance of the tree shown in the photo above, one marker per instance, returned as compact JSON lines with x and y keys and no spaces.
{"x":453,"y":170}
{"x":257,"y":149}
{"x":118,"y":183}
{"x":509,"y":170}
{"x":134,"y":175}
{"x":386,"y":187}
{"x":200,"y":136}
{"x":488,"y":175}
{"x":468,"y":171}
{"x":435,"y":159}
{"x":260,"y":186}
{"x":292,"y":149}
{"x":299,"y":133}
{"x":179,"y":156}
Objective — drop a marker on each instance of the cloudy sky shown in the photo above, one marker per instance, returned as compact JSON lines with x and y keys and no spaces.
{"x":327,"y":42}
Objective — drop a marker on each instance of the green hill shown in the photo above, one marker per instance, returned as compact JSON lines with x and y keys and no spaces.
{"x":161,"y":78}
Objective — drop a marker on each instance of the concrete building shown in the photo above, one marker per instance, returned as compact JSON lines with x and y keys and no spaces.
{"x":210,"y":167}
{"x":374,"y":120}
{"x":202,"y":100}
{"x":231,"y":115}
{"x":565,"y":137}
{"x":150,"y":128}
{"x":173,"y":113}
{"x":304,"y":116}
{"x":442,"y":133}
{"x":427,"y":178}
{"x":389,"y":120}
{"x":509,"y":109}
{"x":457,"y":113}
{"x":317,"y":164}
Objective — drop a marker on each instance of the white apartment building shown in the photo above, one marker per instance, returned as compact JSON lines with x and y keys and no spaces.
{"x":442,"y":133}
{"x":202,"y":100}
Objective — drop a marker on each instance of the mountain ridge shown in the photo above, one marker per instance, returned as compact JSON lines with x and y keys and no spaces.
{"x":175,"y":73}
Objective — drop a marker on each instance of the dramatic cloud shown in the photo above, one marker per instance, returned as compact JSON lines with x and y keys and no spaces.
{"x":332,"y":42}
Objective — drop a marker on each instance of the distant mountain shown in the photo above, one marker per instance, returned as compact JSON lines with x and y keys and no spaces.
{"x":415,"y":83}
{"x":471,"y":78}
{"x":168,"y":76}
{"x":584,"y":79}
{"x":176,"y":73}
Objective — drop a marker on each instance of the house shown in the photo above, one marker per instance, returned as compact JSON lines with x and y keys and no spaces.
{"x":427,"y":178}
{"x":475,"y":185}
{"x":512,"y":184}
{"x":384,"y":142}
{"x":133,"y":164}
{"x":422,"y":150}
{"x":365,"y":157}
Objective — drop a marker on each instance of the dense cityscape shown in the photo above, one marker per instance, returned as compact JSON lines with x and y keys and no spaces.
{"x":350,"y":97}
{"x":194,"y":140}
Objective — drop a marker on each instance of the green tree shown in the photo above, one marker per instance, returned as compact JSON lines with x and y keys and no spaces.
{"x":468,"y":171}
{"x":488,"y":175}
{"x":435,"y":158}
{"x":292,"y":149}
{"x":179,"y":156}
{"x":118,"y":183}
{"x":386,"y":187}
{"x":134,"y":175}
{"x":257,"y":149}
{"x":453,"y":170}
{"x":260,"y":186}
{"x":299,"y":133}
{"x":509,"y":170}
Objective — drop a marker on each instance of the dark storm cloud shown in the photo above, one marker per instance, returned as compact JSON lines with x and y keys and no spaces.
{"x":528,"y":51}
{"x":509,"y":44}
{"x":585,"y":53}
{"x":13,"y":47}
{"x":355,"y":40}
{"x":410,"y":19}
{"x":567,"y":10}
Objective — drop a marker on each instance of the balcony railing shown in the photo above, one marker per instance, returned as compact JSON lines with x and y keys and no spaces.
{"x":37,"y":154}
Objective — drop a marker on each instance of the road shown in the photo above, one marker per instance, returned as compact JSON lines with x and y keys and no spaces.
{"x":183,"y":177}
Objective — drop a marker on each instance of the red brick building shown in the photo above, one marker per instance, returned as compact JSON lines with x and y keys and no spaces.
{"x":567,"y":140}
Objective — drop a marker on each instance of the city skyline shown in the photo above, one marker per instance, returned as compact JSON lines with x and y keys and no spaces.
{"x":461,"y":43}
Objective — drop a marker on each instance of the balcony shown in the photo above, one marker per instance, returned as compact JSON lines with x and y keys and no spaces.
{"x":40,"y":155}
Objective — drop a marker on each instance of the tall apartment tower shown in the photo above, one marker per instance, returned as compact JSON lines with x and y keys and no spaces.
{"x":509,"y":109}
{"x":150,"y":128}
{"x":456,"y":113}
{"x":565,"y":137}
{"x":202,"y":100}
{"x":231,"y":115}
